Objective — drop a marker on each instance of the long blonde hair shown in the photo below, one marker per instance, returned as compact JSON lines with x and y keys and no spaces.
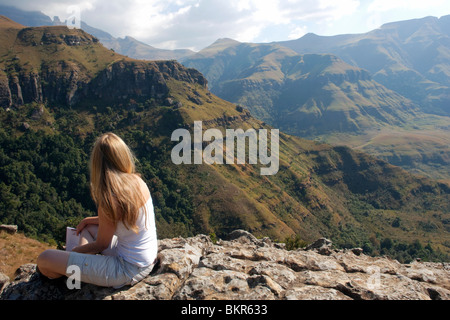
{"x":114,"y":186}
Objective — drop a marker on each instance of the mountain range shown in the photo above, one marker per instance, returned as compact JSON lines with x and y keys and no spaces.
{"x":322,"y":97}
{"x":384,"y":92}
{"x":411,"y":57}
{"x":60,"y":88}
{"x":307,"y":94}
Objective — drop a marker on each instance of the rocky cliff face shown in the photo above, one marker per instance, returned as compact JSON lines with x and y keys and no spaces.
{"x":244,"y":267}
{"x":125,"y":80}
{"x":67,"y":83}
{"x":64,"y":66}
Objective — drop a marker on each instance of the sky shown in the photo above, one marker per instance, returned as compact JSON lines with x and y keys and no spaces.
{"x":195,"y":24}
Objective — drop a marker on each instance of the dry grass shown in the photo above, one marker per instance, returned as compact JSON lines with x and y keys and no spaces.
{"x":16,"y":250}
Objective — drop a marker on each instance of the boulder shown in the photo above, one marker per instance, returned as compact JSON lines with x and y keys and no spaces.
{"x":322,"y":246}
{"x":11,"y":229}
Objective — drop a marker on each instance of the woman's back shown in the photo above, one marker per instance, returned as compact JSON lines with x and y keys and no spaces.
{"x":139,"y":248}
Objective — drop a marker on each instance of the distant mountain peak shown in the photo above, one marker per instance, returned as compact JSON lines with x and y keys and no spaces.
{"x":310,"y":35}
{"x":410,"y":21}
{"x":129,"y":40}
{"x":219,"y":45}
{"x":223,"y":41}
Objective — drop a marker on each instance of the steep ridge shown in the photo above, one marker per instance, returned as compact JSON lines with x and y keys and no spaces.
{"x":66,"y":66}
{"x":410,"y":57}
{"x":127,"y":46}
{"x":321,"y":97}
{"x":304,"y":95}
{"x":72,"y":89}
{"x":246,"y":268}
{"x":133,"y":48}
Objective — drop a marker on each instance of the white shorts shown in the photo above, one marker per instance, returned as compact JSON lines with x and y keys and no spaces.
{"x":107,"y":270}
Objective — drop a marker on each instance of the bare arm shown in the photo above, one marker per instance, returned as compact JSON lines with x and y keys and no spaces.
{"x":105,"y":233}
{"x":85,"y":222}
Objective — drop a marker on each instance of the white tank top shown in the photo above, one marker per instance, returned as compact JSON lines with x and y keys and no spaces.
{"x":141,"y":248}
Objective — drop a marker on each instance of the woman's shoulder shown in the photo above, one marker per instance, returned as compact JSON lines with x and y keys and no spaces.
{"x":138,"y":178}
{"x":143,"y":188}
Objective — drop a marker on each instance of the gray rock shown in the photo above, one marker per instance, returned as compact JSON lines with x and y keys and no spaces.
{"x":322,"y":246}
{"x":242,"y":236}
{"x":11,"y":229}
{"x":246,"y":268}
{"x":4,"y":281}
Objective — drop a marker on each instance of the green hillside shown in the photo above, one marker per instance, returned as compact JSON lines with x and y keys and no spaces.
{"x":70,"y":93}
{"x":321,"y":97}
{"x":411,"y":57}
{"x":306,"y":95}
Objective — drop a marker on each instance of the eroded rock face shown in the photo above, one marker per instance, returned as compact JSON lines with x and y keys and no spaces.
{"x":249,"y":268}
{"x":68,"y":82}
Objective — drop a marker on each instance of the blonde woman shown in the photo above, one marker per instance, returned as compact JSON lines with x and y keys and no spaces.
{"x":119,"y":246}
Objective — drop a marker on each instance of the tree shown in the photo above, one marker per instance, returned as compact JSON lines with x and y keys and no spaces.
{"x":387,"y":243}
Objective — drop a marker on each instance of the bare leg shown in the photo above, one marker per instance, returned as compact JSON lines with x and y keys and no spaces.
{"x":53,"y":263}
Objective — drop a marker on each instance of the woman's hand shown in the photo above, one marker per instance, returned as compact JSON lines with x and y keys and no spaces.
{"x":81,"y":226}
{"x":105,"y":233}
{"x":85,"y":222}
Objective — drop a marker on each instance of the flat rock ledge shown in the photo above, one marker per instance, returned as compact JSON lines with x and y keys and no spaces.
{"x":246,"y":268}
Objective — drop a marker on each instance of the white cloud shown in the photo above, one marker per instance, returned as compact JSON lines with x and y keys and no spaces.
{"x":51,"y":8}
{"x":297,"y":32}
{"x":197,"y":23}
{"x":388,"y":5}
{"x":319,"y":10}
{"x":383,"y":11}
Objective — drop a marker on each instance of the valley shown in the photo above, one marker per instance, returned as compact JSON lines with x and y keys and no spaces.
{"x":322,"y":88}
{"x":61,"y":88}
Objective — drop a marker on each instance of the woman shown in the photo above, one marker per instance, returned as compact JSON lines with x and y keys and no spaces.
{"x":119,"y":246}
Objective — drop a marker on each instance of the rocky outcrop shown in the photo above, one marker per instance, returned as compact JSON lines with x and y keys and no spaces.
{"x":59,"y":69}
{"x":68,"y":82}
{"x":9,"y":228}
{"x":140,"y":80}
{"x":65,"y":67}
{"x":247,"y":268}
{"x":47,"y":35}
